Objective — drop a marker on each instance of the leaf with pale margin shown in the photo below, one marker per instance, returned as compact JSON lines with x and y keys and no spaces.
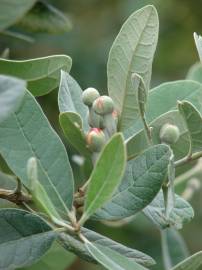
{"x":24,"y":238}
{"x":166,"y":96}
{"x":74,"y":134}
{"x":45,"y":18}
{"x":28,"y":133}
{"x":182,"y":212}
{"x":110,"y":259}
{"x":106,"y":176}
{"x":193,"y":122}
{"x":198,"y":42}
{"x":12,"y":11}
{"x":74,"y":244}
{"x":141,"y":93}
{"x":70,"y":98}
{"x":42,"y":74}
{"x":12,"y":91}
{"x":142,"y":181}
{"x":195,"y":73}
{"x":132,"y":52}
{"x":56,"y":258}
{"x":191,"y":263}
{"x":174,"y":248}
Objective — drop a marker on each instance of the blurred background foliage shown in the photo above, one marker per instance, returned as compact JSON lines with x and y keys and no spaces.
{"x":95,"y":25}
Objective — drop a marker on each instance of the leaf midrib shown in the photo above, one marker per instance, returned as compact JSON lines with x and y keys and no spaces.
{"x":126,"y":190}
{"x":103,"y":186}
{"x":39,"y":160}
{"x":129,"y":68}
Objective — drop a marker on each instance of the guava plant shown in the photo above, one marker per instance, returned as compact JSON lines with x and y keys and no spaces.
{"x":130,"y":146}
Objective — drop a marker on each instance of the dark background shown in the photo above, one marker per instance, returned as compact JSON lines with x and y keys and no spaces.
{"x":95,"y":25}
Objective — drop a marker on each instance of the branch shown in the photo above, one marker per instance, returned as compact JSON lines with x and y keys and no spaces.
{"x":14,"y":196}
{"x":188,"y":159}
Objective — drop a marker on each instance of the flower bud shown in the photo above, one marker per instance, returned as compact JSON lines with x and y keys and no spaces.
{"x":95,"y":139}
{"x":95,"y":120}
{"x":103,"y":105}
{"x":89,"y":95}
{"x":169,"y":133}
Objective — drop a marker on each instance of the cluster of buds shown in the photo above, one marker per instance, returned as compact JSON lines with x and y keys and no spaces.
{"x":102,"y":118}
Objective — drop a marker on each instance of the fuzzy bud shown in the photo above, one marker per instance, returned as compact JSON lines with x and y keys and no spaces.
{"x":169,"y":134}
{"x":95,"y":120}
{"x":103,"y":105}
{"x":89,"y":95}
{"x":95,"y":139}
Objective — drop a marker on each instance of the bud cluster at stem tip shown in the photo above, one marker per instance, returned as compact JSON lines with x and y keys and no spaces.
{"x":102,"y":118}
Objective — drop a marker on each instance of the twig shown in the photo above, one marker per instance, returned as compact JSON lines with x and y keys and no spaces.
{"x":188,"y":159}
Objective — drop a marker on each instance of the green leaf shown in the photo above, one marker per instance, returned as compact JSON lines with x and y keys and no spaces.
{"x":12,"y":91}
{"x":56,"y":258}
{"x":106,"y":175}
{"x":45,"y":18}
{"x":42,"y":74}
{"x":110,"y":259}
{"x":28,"y":133}
{"x":39,"y":195}
{"x":24,"y":238}
{"x":191,"y":263}
{"x":74,"y":244}
{"x":11,"y":11}
{"x":195,"y":73}
{"x":166,"y":96}
{"x":182,"y":212}
{"x":198,"y":42}
{"x":69,"y":98}
{"x":132,"y":52}
{"x":173,"y":247}
{"x":193,"y":122}
{"x":142,"y":181}
{"x":74,"y":133}
{"x":141,"y":94}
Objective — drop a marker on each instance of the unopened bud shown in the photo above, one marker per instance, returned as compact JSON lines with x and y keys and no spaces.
{"x":103,"y":105}
{"x":95,"y":120}
{"x":169,"y":134}
{"x":95,"y":139}
{"x":89,"y":95}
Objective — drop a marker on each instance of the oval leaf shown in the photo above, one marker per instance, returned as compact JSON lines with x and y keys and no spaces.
{"x":132,"y":52}
{"x":173,"y":247}
{"x":45,"y":18}
{"x":56,"y":258}
{"x":142,"y":181}
{"x":106,"y":175}
{"x":191,"y":263}
{"x":74,"y":134}
{"x":28,"y":133}
{"x":182,"y":212}
{"x":69,"y":98}
{"x":110,"y":259}
{"x":12,"y":11}
{"x":42,"y":74}
{"x":24,"y":238}
{"x":12,"y":92}
{"x":193,"y":122}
